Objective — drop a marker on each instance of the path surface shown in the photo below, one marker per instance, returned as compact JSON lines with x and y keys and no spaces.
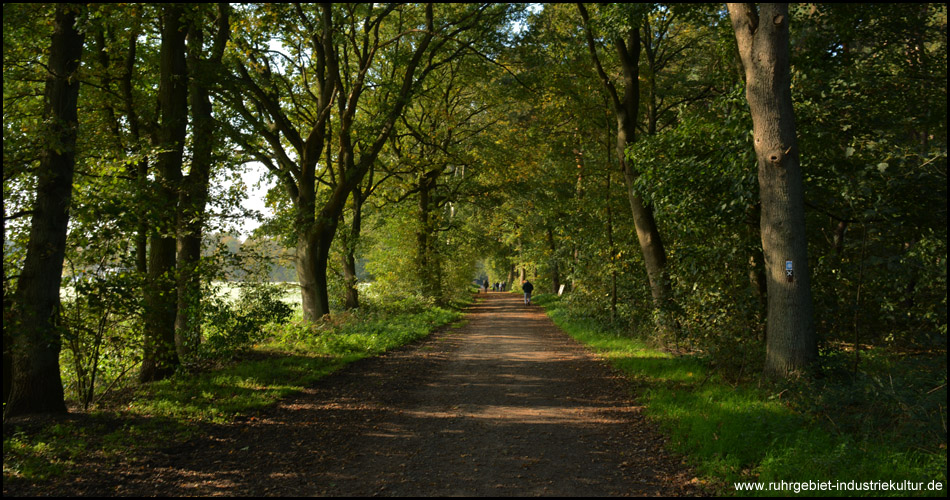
{"x":506,"y":405}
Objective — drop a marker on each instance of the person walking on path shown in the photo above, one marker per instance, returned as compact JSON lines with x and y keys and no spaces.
{"x":527,"y":288}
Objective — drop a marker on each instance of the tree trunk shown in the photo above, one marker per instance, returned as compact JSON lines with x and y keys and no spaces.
{"x":555,"y":271}
{"x":352,"y":299}
{"x":625,"y":110}
{"x":428,"y":271}
{"x":194,"y":189}
{"x":612,"y":250}
{"x":160,"y":358}
{"x":351,"y":173}
{"x":306,"y":264}
{"x":37,"y":386}
{"x":315,"y":231}
{"x":654,"y":254}
{"x":313,"y":252}
{"x":763,"y":40}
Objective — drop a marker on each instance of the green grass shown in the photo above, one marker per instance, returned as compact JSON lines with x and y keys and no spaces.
{"x":297,"y":355}
{"x":294,"y":356}
{"x":772,"y":433}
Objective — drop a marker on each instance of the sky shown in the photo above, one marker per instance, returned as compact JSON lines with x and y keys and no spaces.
{"x":253,"y":174}
{"x":255,"y":171}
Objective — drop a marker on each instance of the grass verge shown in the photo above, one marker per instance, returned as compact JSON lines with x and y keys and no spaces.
{"x":291,"y":357}
{"x":776,"y":434}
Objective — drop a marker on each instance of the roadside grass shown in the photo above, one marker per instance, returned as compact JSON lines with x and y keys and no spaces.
{"x":832,"y":430}
{"x":291,"y":357}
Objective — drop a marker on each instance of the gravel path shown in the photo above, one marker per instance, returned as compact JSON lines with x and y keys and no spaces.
{"x":506,"y":405}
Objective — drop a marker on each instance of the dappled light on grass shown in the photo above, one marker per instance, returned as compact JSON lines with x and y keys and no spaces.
{"x":242,"y":387}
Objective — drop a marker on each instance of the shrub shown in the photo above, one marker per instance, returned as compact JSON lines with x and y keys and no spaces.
{"x":232,"y":327}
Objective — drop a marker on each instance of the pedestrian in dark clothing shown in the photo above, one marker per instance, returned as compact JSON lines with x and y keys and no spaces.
{"x":527,"y":288}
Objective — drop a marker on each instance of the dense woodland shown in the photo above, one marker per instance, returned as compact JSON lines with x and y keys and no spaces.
{"x":762,"y":187}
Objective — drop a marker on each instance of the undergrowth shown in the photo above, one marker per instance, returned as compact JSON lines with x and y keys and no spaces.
{"x":286,"y":358}
{"x":877,"y":428}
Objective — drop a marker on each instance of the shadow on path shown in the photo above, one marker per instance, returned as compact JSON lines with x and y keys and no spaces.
{"x":506,"y":405}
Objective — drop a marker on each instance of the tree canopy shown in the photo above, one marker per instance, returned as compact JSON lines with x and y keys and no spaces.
{"x":643,"y":157}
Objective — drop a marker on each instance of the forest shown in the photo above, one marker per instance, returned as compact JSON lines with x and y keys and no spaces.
{"x":759,"y":190}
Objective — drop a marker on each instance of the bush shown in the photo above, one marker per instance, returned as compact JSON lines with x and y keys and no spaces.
{"x":233,"y":327}
{"x":101,"y":327}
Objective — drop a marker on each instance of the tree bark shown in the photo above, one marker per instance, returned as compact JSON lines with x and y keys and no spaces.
{"x":611,"y":248}
{"x":429,"y":271}
{"x":352,"y":298}
{"x":193,"y":196}
{"x":763,"y":40}
{"x":160,"y":358}
{"x":555,"y":271}
{"x":37,"y":386}
{"x":313,"y":250}
{"x":625,"y":110}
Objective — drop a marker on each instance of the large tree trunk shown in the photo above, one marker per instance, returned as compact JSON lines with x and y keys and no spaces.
{"x":160,"y":358}
{"x":314,"y":305}
{"x":313,"y":253}
{"x":37,"y":386}
{"x":188,"y":313}
{"x":763,"y":40}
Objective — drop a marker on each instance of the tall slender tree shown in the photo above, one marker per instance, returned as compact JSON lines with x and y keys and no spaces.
{"x":625,"y":104}
{"x":160,"y":358}
{"x":37,"y":386}
{"x":193,"y":195}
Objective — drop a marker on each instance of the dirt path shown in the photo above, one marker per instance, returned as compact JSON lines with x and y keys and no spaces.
{"x":506,"y":405}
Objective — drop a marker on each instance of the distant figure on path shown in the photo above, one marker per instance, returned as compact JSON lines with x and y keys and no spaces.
{"x":485,"y":283}
{"x":527,"y":287}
